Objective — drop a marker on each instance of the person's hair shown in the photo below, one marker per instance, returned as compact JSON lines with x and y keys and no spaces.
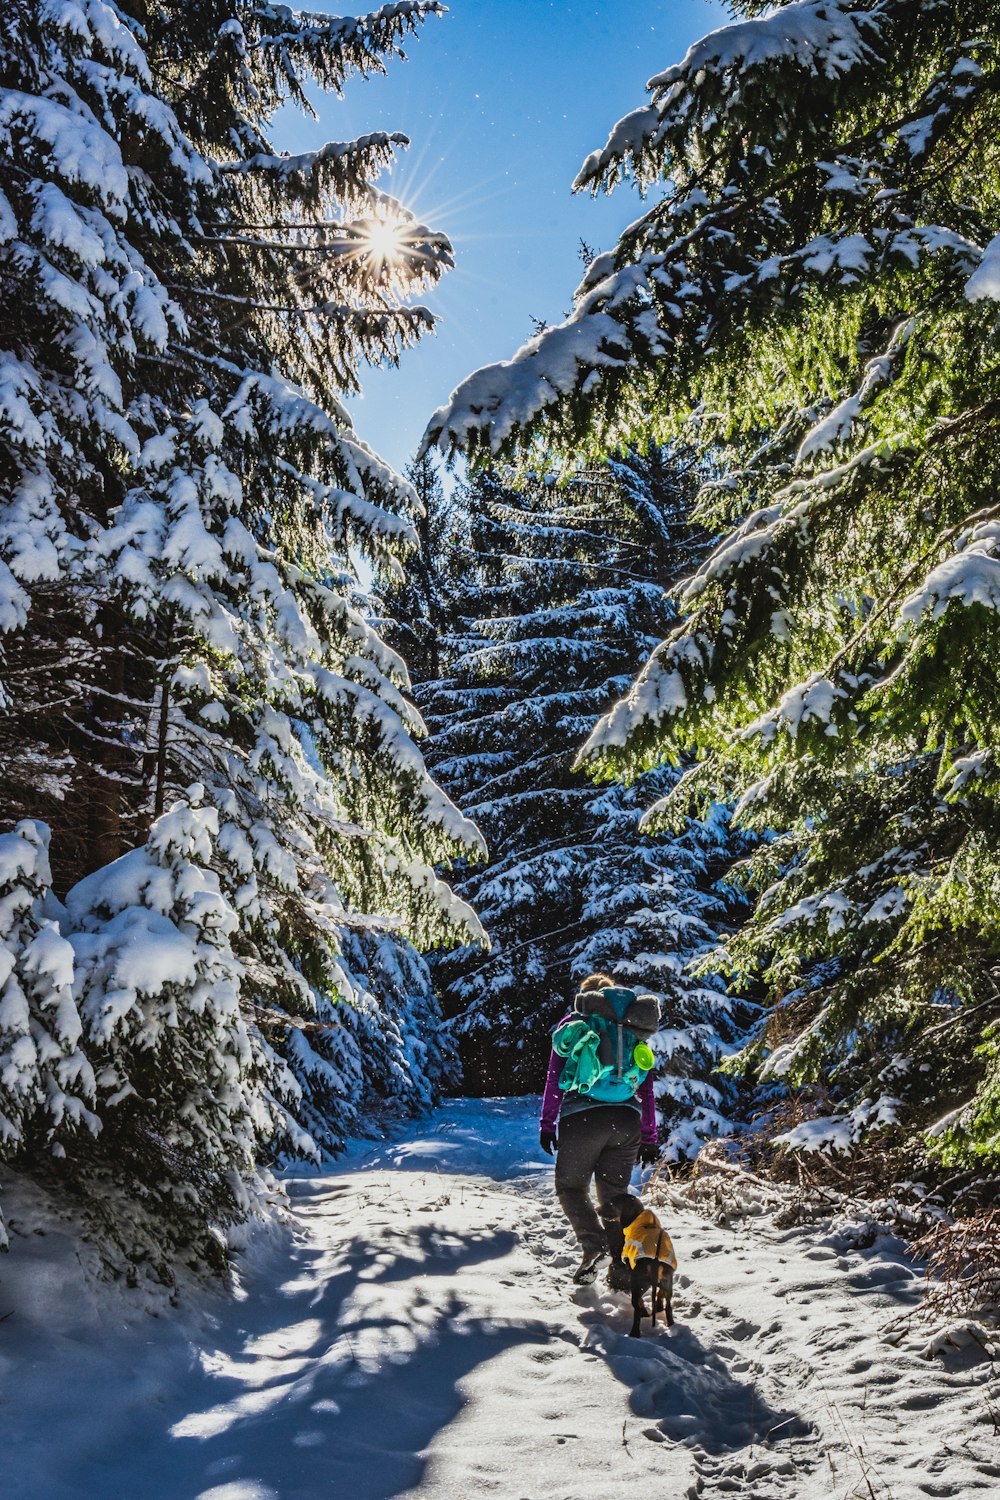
{"x":597,"y":982}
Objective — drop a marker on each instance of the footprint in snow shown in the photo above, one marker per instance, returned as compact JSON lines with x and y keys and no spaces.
{"x":882,"y":1275}
{"x":919,"y":1400}
{"x":546,"y":1356}
{"x":743,"y":1329}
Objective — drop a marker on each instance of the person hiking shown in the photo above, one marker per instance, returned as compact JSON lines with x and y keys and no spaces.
{"x":599,"y":1116}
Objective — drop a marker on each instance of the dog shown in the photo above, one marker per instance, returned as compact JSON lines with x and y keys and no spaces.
{"x":650,"y":1257}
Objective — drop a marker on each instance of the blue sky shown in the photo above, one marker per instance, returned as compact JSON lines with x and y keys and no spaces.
{"x":502,"y":100}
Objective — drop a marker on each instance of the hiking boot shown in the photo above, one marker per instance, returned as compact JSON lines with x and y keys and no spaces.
{"x":619,"y":1277}
{"x":586,"y":1271}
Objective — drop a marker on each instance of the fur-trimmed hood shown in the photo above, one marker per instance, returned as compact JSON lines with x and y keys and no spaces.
{"x":640,"y":1013}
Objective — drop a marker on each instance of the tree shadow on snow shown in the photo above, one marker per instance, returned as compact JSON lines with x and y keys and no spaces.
{"x":332,"y":1384}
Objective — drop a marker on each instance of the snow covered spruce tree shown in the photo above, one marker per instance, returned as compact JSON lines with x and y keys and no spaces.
{"x":420,"y":605}
{"x":180,"y":498}
{"x":560,"y":595}
{"x":46,"y":1081}
{"x":813,"y":294}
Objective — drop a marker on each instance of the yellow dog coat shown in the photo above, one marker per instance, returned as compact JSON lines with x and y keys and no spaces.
{"x":646,"y":1239}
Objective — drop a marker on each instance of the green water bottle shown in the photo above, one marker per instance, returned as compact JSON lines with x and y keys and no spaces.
{"x":643,"y":1056}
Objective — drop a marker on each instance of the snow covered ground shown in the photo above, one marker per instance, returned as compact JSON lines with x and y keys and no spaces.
{"x":414,"y":1333}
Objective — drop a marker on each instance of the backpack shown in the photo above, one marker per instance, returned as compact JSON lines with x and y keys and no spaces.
{"x":600,"y":1041}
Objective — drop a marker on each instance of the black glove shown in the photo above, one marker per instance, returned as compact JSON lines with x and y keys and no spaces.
{"x":649,"y":1154}
{"x":547,"y":1141}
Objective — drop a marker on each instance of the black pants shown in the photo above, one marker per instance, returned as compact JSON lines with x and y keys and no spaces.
{"x":600,"y":1143}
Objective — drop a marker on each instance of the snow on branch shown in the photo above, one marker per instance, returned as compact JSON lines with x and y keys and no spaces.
{"x":819,"y":36}
{"x":339,"y":168}
{"x":660,"y":692}
{"x":811,"y":700}
{"x":834,"y":430}
{"x":502,"y":399}
{"x":356,"y":40}
{"x":985,"y":280}
{"x":970,"y":576}
{"x":828,"y":38}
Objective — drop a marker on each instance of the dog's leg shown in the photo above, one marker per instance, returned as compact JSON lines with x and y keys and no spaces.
{"x":667,"y":1294}
{"x":642,"y":1281}
{"x":635,"y":1331}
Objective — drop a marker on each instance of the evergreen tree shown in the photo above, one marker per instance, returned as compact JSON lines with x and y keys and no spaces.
{"x":181,"y":495}
{"x":45,"y":1078}
{"x":811,"y":293}
{"x":560,"y":596}
{"x":158,"y":986}
{"x":419,"y":605}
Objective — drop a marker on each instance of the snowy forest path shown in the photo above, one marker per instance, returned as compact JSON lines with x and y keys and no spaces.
{"x":415,"y":1336}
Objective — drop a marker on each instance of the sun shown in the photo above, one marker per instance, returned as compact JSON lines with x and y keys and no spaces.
{"x":383,"y":241}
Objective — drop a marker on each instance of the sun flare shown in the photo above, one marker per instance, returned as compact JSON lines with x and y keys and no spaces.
{"x":384,"y":241}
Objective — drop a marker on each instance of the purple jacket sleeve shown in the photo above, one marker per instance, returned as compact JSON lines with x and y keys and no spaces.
{"x":552,"y":1098}
{"x":648,"y":1101}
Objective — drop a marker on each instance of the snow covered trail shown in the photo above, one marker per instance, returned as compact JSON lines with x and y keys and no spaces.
{"x":416,"y":1335}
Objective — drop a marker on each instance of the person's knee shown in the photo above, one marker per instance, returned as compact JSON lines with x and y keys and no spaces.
{"x":570,"y":1182}
{"x":612,"y":1182}
{"x":564,"y":1173}
{"x":572,"y":1174}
